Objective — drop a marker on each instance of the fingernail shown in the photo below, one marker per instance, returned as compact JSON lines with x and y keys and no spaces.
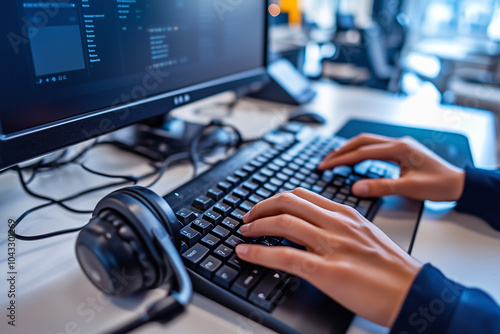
{"x":321,"y":165}
{"x":244,"y":228}
{"x":241,"y":250}
{"x":360,"y":189}
{"x":246,"y":217}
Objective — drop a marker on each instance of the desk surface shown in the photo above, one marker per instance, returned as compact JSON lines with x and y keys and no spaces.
{"x":54,"y":296}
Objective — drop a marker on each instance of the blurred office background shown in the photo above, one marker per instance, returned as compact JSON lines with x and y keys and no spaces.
{"x":447,"y":50}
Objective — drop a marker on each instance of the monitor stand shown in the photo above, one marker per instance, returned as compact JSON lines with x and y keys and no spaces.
{"x":159,"y":138}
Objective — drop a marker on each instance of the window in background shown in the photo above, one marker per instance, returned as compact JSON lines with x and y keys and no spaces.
{"x":468,"y":18}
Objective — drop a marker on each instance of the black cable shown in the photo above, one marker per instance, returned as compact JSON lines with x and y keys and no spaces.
{"x":72,"y":197}
{"x":167,"y":163}
{"x":43,"y":197}
{"x":131,"y":178}
{"x":193,"y":147}
{"x":192,"y":155}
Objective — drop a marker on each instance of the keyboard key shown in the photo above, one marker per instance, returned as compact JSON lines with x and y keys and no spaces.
{"x":184,"y":247}
{"x":259,"y":178}
{"x":189,"y":235}
{"x":310,"y":166}
{"x":241,"y":193}
{"x":225,"y":186}
{"x":288,"y":171}
{"x":250,"y":186}
{"x":373,"y":176}
{"x":236,"y":263}
{"x":262,"y":159}
{"x":305,"y":171}
{"x":276,"y":182}
{"x":364,"y":206}
{"x":352,"y":199}
{"x":220,"y":231}
{"x":210,"y":241}
{"x":185,"y":216}
{"x":274,"y":167}
{"x":233,"y":241}
{"x":300,"y":176}
{"x":233,"y":201}
{"x":306,"y":185}
{"x":209,"y":266}
{"x":349,"y":203}
{"x":293,"y":166}
{"x":225,"y":276}
{"x":230,"y":223}
{"x":267,"y":290}
{"x":255,"y":199}
{"x":294,"y":181}
{"x":256,"y":164}
{"x":342,"y":171}
{"x":263,"y":193}
{"x":327,"y":194}
{"x":311,"y":180}
{"x":203,"y":203}
{"x":215,"y":193}
{"x":246,"y":206}
{"x":247,"y":281}
{"x":321,"y":184}
{"x":282,"y":177}
{"x":268,"y":241}
{"x":269,"y":155}
{"x":238,"y":215}
{"x":327,"y":176}
{"x":271,"y":187}
{"x":316,"y":189}
{"x":233,"y":180}
{"x":213,"y":217}
{"x":345,"y":190}
{"x":248,"y":168}
{"x":223,"y":252}
{"x":222,"y":208}
{"x":241,"y":174}
{"x":202,"y":226}
{"x":266,"y":172}
{"x":288,"y":186}
{"x":279,"y":162}
{"x":194,"y":255}
{"x":339,"y":198}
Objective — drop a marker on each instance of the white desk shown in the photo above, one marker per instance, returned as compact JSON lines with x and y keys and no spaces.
{"x":55,"y":297}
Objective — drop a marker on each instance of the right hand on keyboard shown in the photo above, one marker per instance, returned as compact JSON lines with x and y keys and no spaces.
{"x":424,"y":175}
{"x":347,"y":257}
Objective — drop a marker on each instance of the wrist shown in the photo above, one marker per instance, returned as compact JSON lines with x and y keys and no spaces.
{"x":457,"y":184}
{"x":408,"y":275}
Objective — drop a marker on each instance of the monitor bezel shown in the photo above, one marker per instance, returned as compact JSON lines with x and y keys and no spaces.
{"x":35,"y":142}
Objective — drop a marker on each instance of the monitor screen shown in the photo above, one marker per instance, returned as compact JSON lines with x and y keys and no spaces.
{"x":70,"y":61}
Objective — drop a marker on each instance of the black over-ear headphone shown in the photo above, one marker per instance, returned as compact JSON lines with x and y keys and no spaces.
{"x":130,"y":245}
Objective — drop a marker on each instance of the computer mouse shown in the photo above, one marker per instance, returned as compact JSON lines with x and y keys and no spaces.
{"x":308,"y":117}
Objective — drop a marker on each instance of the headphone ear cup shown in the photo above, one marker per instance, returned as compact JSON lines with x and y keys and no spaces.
{"x":114,"y":257}
{"x":160,"y":208}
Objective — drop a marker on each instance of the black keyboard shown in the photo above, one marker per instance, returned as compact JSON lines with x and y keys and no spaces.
{"x":212,"y":207}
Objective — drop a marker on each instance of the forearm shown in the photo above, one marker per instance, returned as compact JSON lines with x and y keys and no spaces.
{"x":436,"y":304}
{"x":481,"y":195}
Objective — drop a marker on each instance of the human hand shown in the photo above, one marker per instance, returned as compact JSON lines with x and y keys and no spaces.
{"x":424,"y":175}
{"x":347,"y":257}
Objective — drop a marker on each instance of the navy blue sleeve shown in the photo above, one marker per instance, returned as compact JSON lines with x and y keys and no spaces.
{"x":481,"y":195}
{"x":436,"y":304}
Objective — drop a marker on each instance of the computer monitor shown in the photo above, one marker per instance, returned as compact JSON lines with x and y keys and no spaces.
{"x":76,"y":69}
